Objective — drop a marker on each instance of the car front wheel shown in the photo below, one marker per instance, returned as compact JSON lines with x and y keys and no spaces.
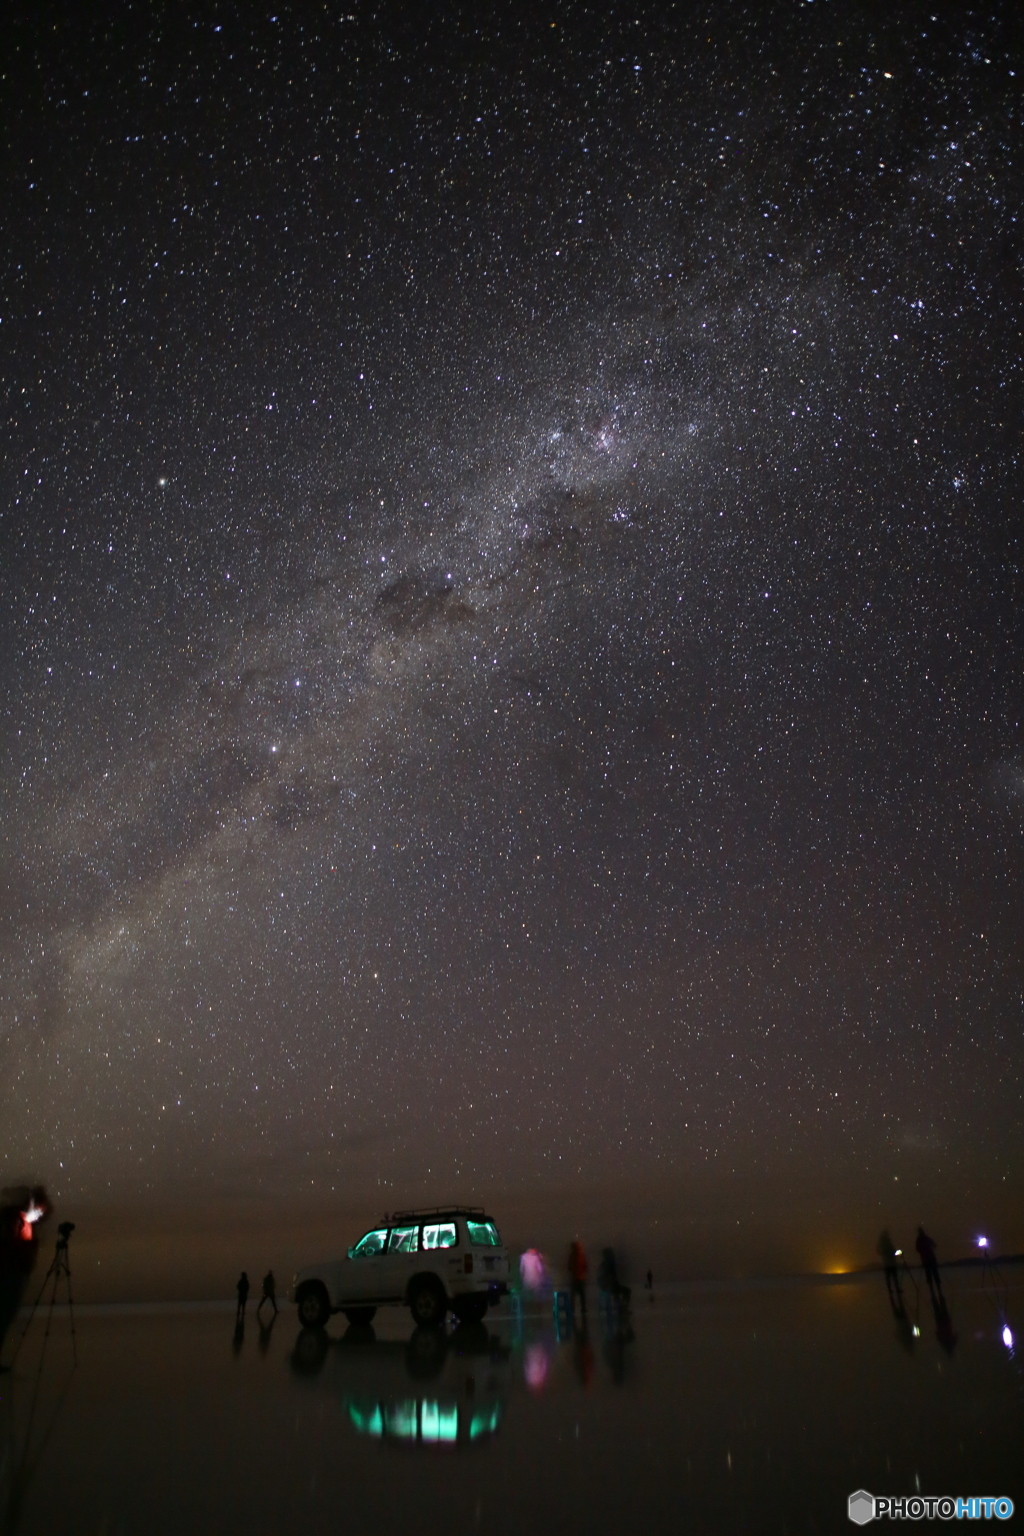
{"x":314,"y":1307}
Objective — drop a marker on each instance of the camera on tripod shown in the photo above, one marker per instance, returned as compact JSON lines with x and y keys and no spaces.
{"x":64,"y":1231}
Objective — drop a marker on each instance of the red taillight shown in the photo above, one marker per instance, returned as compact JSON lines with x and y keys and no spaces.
{"x":468,"y":1263}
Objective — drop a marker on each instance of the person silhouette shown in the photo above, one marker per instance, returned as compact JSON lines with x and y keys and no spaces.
{"x":617,"y":1295}
{"x":243,"y":1296}
{"x":926,"y":1250}
{"x":578,"y":1279}
{"x":22,"y":1210}
{"x":890,"y":1262}
{"x":269,"y":1293}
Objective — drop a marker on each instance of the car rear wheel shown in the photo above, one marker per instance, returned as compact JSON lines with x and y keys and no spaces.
{"x":427,"y":1304}
{"x":360,"y":1317}
{"x":314,"y":1307}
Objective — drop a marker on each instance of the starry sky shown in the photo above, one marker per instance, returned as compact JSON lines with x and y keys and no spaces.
{"x":511,"y":608}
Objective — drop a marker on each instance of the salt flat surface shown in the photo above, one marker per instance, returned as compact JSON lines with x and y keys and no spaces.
{"x":711,"y":1409}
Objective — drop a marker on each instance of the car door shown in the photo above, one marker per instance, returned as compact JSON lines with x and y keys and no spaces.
{"x":399,"y":1261}
{"x":361,"y":1277}
{"x":438,"y":1237}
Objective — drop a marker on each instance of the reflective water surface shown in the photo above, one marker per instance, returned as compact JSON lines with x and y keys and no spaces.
{"x":711,"y":1408}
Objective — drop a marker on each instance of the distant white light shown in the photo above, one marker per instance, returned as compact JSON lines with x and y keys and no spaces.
{"x":1007,"y":1336}
{"x":916,"y":1331}
{"x":982,"y":1242}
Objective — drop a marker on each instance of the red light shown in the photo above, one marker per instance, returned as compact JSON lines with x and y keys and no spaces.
{"x":29,"y":1218}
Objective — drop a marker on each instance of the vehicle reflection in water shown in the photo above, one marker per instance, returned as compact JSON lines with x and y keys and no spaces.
{"x":468,"y":1373}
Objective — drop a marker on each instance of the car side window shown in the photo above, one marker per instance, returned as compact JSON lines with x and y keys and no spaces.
{"x":441,"y":1234}
{"x":483,"y":1234}
{"x":403,"y":1240}
{"x":373,"y":1242}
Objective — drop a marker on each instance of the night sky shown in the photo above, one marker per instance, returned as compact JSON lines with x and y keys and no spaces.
{"x":511,"y":601}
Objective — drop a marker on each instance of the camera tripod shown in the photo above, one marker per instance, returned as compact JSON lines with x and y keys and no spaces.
{"x":59,"y":1269}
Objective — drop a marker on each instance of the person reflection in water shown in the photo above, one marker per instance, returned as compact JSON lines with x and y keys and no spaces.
{"x":243,"y":1296}
{"x":906,"y":1332}
{"x":583,"y":1358}
{"x":269,"y":1293}
{"x":945,"y":1333}
{"x":578,"y":1280}
{"x":926,"y":1250}
{"x":890,"y":1262}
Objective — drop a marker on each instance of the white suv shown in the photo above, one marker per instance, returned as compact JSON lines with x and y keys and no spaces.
{"x":433,"y":1261}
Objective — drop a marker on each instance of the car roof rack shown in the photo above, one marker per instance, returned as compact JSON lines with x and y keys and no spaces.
{"x":433,"y":1210}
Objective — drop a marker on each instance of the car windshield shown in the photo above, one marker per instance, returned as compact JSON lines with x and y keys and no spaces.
{"x":483,"y":1234}
{"x":440,"y":1235}
{"x":373,"y":1242}
{"x":403,"y":1240}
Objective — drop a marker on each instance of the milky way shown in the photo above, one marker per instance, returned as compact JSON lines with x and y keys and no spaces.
{"x":511,"y":594}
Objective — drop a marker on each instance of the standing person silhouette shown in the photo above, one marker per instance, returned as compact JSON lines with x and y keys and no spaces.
{"x":21,"y":1211}
{"x":608,"y":1281}
{"x":890,"y":1262}
{"x":929,"y":1263}
{"x":269,"y":1293}
{"x":578,"y":1279}
{"x":243,"y":1296}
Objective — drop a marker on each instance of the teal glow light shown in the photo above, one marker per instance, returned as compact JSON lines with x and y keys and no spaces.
{"x":368,"y":1421}
{"x":438,"y":1425}
{"x":485,"y":1422}
{"x":400,"y":1420}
